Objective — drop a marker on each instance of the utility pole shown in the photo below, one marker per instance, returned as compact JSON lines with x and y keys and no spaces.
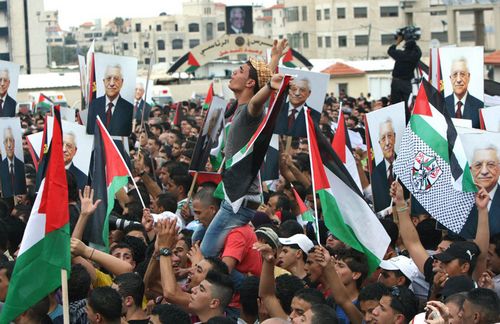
{"x":368,"y":47}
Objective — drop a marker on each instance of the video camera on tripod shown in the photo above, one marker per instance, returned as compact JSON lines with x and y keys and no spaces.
{"x":409,"y":33}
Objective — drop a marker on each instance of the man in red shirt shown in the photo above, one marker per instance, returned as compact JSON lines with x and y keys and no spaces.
{"x":238,"y":252}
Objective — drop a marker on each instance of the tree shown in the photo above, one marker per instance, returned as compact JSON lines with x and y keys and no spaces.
{"x":118,"y":21}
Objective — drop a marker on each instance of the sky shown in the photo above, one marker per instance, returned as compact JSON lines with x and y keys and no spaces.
{"x":75,"y":12}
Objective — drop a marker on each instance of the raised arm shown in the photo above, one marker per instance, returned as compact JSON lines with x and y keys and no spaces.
{"x":88,"y":207}
{"x":483,"y":232}
{"x":407,"y":229}
{"x":256,"y":104}
{"x":267,"y":284}
{"x":276,"y":53}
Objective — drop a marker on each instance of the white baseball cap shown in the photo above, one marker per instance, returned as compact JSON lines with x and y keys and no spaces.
{"x":301,"y":240}
{"x":403,"y":264}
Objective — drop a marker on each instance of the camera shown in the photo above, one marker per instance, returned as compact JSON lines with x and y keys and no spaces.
{"x":409,"y":33}
{"x":116,"y":223}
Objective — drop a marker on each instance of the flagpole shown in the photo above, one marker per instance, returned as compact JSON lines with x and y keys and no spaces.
{"x":316,"y":218}
{"x":65,"y":300}
{"x":146,"y":89}
{"x":98,"y":119}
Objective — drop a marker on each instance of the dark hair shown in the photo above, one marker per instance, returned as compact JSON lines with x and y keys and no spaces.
{"x":403,"y":301}
{"x":205,"y":195}
{"x":135,"y":227}
{"x":122,"y":245}
{"x":78,"y":283}
{"x":134,"y":211}
{"x":167,"y":201}
{"x":222,"y":287}
{"x":4,"y":236}
{"x":457,"y":299}
{"x":252,"y":74}
{"x":392,"y":230}
{"x":495,"y":240}
{"x":289,"y":228}
{"x":183,"y":180}
{"x":218,"y":265}
{"x":38,"y":312}
{"x":310,"y":295}
{"x":221,"y":320}
{"x":15,"y":229}
{"x":429,"y":236}
{"x":249,"y":292}
{"x":373,"y":291}
{"x":323,"y":314}
{"x":107,"y":302}
{"x":286,"y":287}
{"x":487,"y":301}
{"x":137,"y":246}
{"x":357,"y":262}
{"x":283,"y":202}
{"x":131,"y":284}
{"x":170,"y":313}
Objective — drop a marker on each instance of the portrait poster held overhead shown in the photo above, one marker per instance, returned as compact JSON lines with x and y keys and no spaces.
{"x":462,"y":71}
{"x":491,"y":118}
{"x":239,"y":20}
{"x":386,"y":127}
{"x":482,"y":149}
{"x":115,"y":80}
{"x":9,"y":76}
{"x":213,"y":126}
{"x":77,"y":148}
{"x":306,"y":89}
{"x":12,"y":175}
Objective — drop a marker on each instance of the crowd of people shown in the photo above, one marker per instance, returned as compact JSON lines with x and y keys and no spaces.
{"x":263,"y":263}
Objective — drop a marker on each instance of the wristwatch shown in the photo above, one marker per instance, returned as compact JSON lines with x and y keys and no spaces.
{"x":165,"y":252}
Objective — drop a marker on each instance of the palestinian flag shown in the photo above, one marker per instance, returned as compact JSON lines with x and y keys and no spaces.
{"x":110,"y":174}
{"x":216,"y":155}
{"x":369,"y":149}
{"x":305,"y":212}
{"x":270,"y":168}
{"x":432,"y":163}
{"x":179,"y":114}
{"x":292,"y":54}
{"x":341,"y":144}
{"x":43,"y":156}
{"x":244,"y":165}
{"x":45,"y":248}
{"x":44,"y":103}
{"x":435,"y":74}
{"x":209,"y":97}
{"x":192,"y":63}
{"x":345,"y":212}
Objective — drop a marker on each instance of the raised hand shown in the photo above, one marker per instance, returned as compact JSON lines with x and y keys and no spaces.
{"x":266,"y":251}
{"x":88,"y":206}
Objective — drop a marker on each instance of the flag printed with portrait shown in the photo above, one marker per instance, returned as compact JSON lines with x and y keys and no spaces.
{"x":45,"y":247}
{"x":432,"y":163}
{"x":345,"y":212}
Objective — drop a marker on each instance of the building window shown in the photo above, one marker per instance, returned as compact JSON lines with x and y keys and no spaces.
{"x":292,"y":14}
{"x":361,"y":40}
{"x":340,"y":13}
{"x":241,"y":57}
{"x":342,"y":41}
{"x":135,"y":45}
{"x":161,"y":44}
{"x":138,"y":27}
{"x":392,"y":11}
{"x":318,"y":14}
{"x":176,"y":27}
{"x":304,"y":13}
{"x":158,"y":27}
{"x":147,"y":60}
{"x":194,"y":43}
{"x":146,"y":44}
{"x":320,"y":41}
{"x":177,"y":44}
{"x":161,"y":60}
{"x":343,"y":88}
{"x":125,"y":46}
{"x":294,"y":40}
{"x":175,"y":58}
{"x":328,"y":41}
{"x":440,"y":36}
{"x":193,"y":28}
{"x":305,"y":40}
{"x":326,"y":14}
{"x":221,"y":26}
{"x":467,"y":36}
{"x":207,"y":11}
{"x":360,"y":12}
{"x":210,"y":31}
{"x":387,"y":39}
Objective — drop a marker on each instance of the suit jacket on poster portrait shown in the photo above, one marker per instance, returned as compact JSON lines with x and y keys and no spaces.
{"x":470,"y":111}
{"x":381,"y":187}
{"x":9,"y":107}
{"x":138,"y":114}
{"x":81,"y":178}
{"x":470,"y":226}
{"x":299,"y":126}
{"x":19,"y":178}
{"x":121,"y":120}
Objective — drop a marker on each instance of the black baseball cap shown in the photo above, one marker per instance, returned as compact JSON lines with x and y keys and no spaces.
{"x":464,"y":250}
